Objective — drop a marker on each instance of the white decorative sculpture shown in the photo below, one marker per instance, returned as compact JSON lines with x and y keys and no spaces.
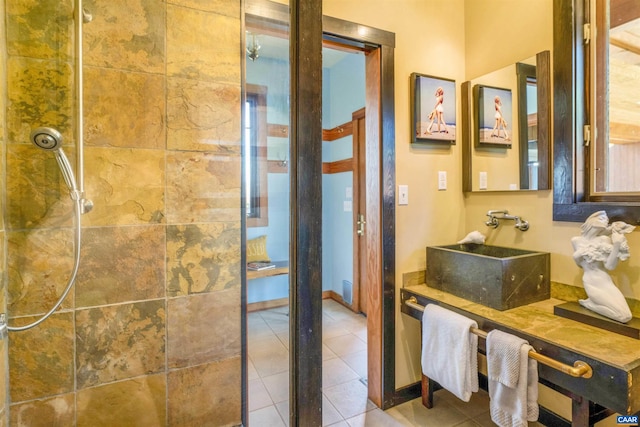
{"x":601,"y":246}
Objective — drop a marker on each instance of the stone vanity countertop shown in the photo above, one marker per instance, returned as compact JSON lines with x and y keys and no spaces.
{"x":537,"y":319}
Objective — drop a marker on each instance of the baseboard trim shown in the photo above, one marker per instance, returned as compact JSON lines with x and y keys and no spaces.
{"x":265,"y":305}
{"x":407,"y":393}
{"x":281,"y":302}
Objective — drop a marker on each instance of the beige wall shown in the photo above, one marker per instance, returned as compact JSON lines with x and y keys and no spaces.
{"x":462,"y":40}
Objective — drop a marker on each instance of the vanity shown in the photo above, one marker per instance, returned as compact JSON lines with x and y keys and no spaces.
{"x":613,"y":385}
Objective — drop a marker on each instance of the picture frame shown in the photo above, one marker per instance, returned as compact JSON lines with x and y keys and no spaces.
{"x":433,"y":109}
{"x":494,"y":118}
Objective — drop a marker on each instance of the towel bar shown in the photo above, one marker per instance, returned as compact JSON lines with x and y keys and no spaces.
{"x":579,"y":369}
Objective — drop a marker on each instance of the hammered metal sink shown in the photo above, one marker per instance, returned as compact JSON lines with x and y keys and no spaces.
{"x":494,"y":276}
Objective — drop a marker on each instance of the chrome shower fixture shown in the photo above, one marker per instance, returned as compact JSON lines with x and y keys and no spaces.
{"x":49,"y":139}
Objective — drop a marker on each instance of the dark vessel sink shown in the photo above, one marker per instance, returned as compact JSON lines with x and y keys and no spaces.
{"x":494,"y":276}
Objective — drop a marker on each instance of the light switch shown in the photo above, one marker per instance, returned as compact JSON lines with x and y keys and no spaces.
{"x":442,"y":180}
{"x":348,"y":193}
{"x":403,"y":194}
{"x":348,"y":206}
{"x":483,"y":180}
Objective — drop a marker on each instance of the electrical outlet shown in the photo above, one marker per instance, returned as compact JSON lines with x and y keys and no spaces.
{"x":403,"y":194}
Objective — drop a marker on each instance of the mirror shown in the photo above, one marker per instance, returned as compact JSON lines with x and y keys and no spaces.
{"x":505,"y":120}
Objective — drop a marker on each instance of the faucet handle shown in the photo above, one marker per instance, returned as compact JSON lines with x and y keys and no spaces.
{"x":522,"y":224}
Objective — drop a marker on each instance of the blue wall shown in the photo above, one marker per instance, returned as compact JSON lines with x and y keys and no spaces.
{"x":275,"y":75}
{"x":343,"y":93}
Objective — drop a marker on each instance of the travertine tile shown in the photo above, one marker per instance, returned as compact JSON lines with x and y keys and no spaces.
{"x":58,"y":410}
{"x":4,"y":374}
{"x":126,"y":186}
{"x":40,"y":93}
{"x":203,"y":116}
{"x":211,"y":54}
{"x":203,"y":258}
{"x":121,"y":264}
{"x":40,"y":29}
{"x":119,"y":342}
{"x":39,"y":268}
{"x":222,"y":7}
{"x":190,"y":342}
{"x":124,"y":109}
{"x":37,"y":196}
{"x":204,"y":393}
{"x":202,"y":187}
{"x":126,"y":34}
{"x":34,"y":375}
{"x":137,"y":402}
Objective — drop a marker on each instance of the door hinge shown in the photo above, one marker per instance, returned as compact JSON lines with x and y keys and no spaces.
{"x":361,"y":222}
{"x":586,"y":135}
{"x":586,"y":31}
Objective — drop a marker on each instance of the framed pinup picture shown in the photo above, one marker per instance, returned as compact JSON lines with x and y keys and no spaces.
{"x":433,"y":109}
{"x":494,"y":116}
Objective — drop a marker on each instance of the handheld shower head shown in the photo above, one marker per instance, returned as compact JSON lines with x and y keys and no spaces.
{"x":49,"y":139}
{"x":46,"y":138}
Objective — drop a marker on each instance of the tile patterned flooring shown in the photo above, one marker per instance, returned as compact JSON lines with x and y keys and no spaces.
{"x":344,"y":360}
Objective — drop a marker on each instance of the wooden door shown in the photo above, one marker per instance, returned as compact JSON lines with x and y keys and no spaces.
{"x":359,"y":212}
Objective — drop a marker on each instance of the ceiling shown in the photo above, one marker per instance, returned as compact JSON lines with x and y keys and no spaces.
{"x":277,"y":48}
{"x":624,"y":71}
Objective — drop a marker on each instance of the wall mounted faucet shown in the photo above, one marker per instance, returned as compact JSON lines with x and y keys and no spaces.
{"x":496,"y":215}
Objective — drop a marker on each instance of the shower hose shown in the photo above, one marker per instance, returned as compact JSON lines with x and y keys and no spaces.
{"x":76,"y":262}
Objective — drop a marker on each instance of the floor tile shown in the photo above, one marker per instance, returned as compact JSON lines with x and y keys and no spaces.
{"x":278,"y":386}
{"x":344,"y":360}
{"x":252,"y":374}
{"x":269,"y":359}
{"x":266,"y":417}
{"x":477,"y":405}
{"x":335,"y":371}
{"x":358,"y":362}
{"x":441,"y":415}
{"x":327,"y":353}
{"x":258,"y":395}
{"x":374,"y":418}
{"x":350,"y":398}
{"x":345,"y":344}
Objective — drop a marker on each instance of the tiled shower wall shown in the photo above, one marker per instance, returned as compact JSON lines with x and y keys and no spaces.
{"x":150,"y":334}
{"x":3,"y":292}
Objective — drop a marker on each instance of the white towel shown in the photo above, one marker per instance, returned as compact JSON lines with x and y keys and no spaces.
{"x":513,"y":380}
{"x":450,"y":351}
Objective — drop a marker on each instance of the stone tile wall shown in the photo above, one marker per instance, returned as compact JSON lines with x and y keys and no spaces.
{"x":4,"y":402}
{"x":150,"y":334}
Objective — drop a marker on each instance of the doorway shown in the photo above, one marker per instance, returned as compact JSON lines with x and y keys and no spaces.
{"x":378,"y":248}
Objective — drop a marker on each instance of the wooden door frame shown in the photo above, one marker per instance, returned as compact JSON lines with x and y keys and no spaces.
{"x":380,"y":212}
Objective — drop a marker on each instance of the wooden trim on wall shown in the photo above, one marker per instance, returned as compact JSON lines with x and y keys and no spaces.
{"x":337,"y":132}
{"x":282,"y":131}
{"x":277,"y":166}
{"x":338,"y":166}
{"x":277,"y":131}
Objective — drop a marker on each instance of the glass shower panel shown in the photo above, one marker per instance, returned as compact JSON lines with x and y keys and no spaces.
{"x":266,"y":198}
{"x":4,"y":371}
{"x":38,"y":87}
